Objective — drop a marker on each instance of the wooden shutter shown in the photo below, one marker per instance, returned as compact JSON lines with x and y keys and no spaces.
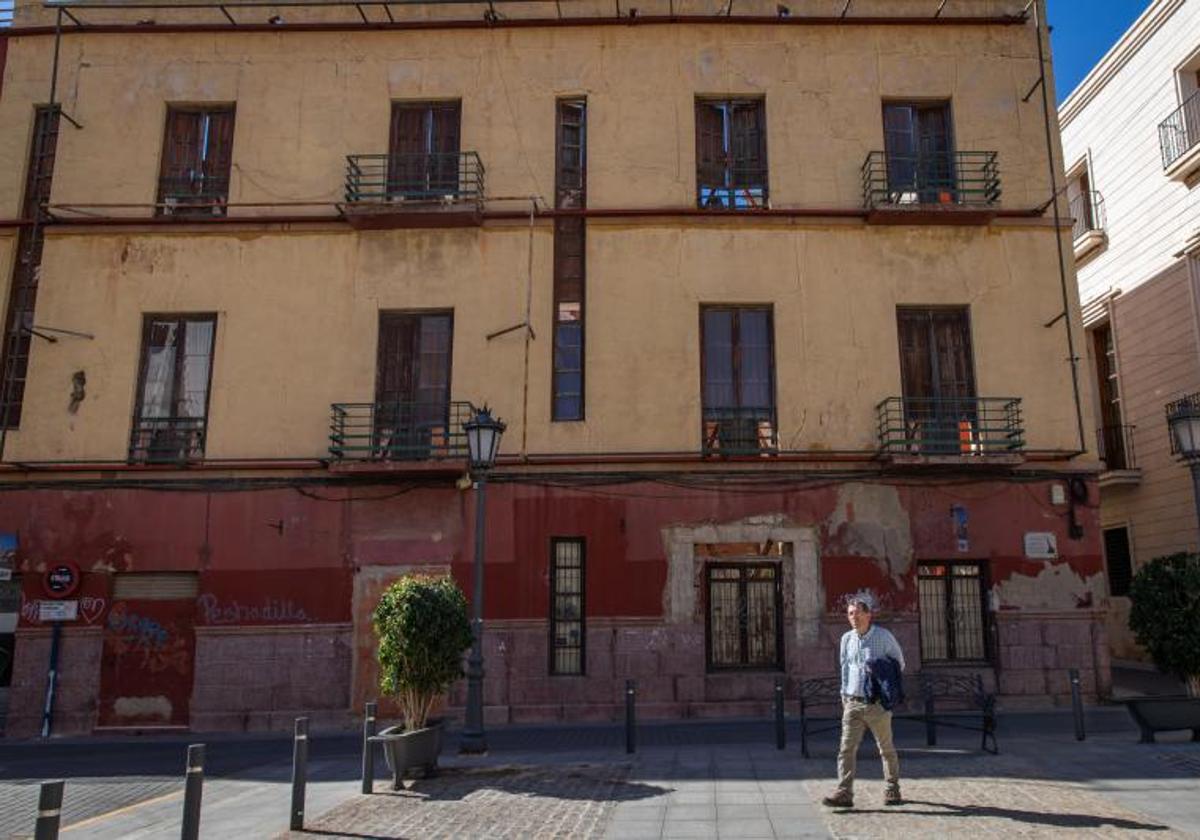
{"x":395,"y":379}
{"x":219,"y":154}
{"x":933,"y":129}
{"x":899,"y":130}
{"x":445,"y":119}
{"x":710,"y":144}
{"x":433,"y":367}
{"x":748,"y":144}
{"x":955,"y":376}
{"x":181,"y":150}
{"x":407,"y":146}
{"x":916,"y":357}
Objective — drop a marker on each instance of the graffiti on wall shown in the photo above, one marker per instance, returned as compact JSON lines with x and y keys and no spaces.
{"x":91,"y":609}
{"x":154,"y":645}
{"x":268,"y":610}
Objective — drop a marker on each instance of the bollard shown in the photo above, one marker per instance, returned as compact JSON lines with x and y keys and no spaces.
{"x":49,"y":811}
{"x":299,"y":773}
{"x":780,"y":732}
{"x":193,"y":787}
{"x":1077,"y":704}
{"x":630,"y":720}
{"x":368,"y":752}
{"x":930,"y":725}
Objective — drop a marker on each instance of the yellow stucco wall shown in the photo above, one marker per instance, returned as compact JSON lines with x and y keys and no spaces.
{"x":298,"y":309}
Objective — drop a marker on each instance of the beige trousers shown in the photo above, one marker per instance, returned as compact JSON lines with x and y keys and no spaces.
{"x":857,"y":717}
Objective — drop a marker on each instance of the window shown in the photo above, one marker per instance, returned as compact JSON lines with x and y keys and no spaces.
{"x":412,"y":384}
{"x":1119,"y":560}
{"x":738,"y":375}
{"x":22,"y":295}
{"x":173,"y":388}
{"x":568,"y":641}
{"x":424,"y":153}
{"x":731,"y":153}
{"x":745,"y":612}
{"x":941,"y":414}
{"x":919,"y":146}
{"x":953,"y":611}
{"x":569,"y":273}
{"x":197,"y":155}
{"x":1112,"y":433}
{"x":1080,"y":203}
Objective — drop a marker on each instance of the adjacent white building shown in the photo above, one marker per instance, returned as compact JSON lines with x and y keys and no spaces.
{"x":1131,"y":143}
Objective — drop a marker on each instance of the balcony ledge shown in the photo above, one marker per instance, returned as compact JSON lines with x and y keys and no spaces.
{"x":1090,"y":244}
{"x":1118,"y":478}
{"x":1185,"y":166}
{"x":982,"y":460}
{"x":380,"y":215}
{"x":929,"y":214}
{"x":430,"y":468}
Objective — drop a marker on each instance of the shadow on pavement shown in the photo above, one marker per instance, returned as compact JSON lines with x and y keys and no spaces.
{"x":453,"y":784}
{"x":1088,"y":821}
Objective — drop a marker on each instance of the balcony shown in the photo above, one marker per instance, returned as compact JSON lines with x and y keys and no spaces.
{"x":928,"y":430}
{"x":944,"y":188}
{"x":1090,"y":223}
{"x":167,"y":440}
{"x":739,"y":431}
{"x":399,"y":431}
{"x":1179,"y":140}
{"x":1114,"y":445}
{"x":731,"y":188}
{"x":197,"y":195}
{"x":414,"y":190}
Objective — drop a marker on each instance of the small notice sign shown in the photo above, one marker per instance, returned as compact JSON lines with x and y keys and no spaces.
{"x":58,"y":610}
{"x":1041,"y":545}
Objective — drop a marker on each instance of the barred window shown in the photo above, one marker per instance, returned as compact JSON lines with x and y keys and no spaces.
{"x":953,"y":612}
{"x":567,"y":632}
{"x":745,"y":627}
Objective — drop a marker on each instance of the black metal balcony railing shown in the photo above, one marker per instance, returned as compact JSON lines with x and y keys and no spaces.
{"x":449,"y":177}
{"x":167,"y":440}
{"x":721,"y":188}
{"x":739,"y":431}
{"x":938,"y":179}
{"x":967,"y":426}
{"x":1178,"y":133}
{"x":1087,"y":209}
{"x":404,"y":431}
{"x":1115,"y":445}
{"x":195,"y":195}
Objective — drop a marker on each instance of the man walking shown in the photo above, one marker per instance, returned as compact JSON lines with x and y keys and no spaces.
{"x":864,"y":643}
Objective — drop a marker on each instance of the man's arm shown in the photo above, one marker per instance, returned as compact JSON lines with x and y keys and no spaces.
{"x":897,"y":652}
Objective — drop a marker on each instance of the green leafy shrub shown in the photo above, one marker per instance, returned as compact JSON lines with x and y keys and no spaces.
{"x":422,"y":625}
{"x":1165,"y":615}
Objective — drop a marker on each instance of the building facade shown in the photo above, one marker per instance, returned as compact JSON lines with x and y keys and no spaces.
{"x":771,"y":300}
{"x":1131,"y":139}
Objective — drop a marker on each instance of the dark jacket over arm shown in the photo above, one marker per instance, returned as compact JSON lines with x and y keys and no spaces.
{"x":885,"y":682}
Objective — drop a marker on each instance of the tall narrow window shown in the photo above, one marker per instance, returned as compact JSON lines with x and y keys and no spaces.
{"x":22,"y":295}
{"x":738,"y":373}
{"x":1080,"y":203}
{"x":197,"y":156}
{"x":1112,"y":432}
{"x":952,"y":603}
{"x":412,"y":386}
{"x":745,"y":610}
{"x":570,"y":245}
{"x":937,"y":375}
{"x":423,"y":152}
{"x":919,"y":145}
{"x":731,"y":153}
{"x":568,"y":640}
{"x":173,"y":387}
{"x":1119,"y":560}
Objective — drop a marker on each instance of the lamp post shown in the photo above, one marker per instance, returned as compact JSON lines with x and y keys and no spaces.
{"x":1183,"y":423}
{"x":483,"y":441}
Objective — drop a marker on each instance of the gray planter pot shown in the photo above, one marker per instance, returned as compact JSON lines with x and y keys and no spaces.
{"x":411,"y":755}
{"x":1165,"y":714}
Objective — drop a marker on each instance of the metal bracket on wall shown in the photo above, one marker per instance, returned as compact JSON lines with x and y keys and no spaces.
{"x":41,"y":332}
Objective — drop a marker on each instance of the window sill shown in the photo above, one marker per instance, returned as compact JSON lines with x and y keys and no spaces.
{"x":1117,"y":478}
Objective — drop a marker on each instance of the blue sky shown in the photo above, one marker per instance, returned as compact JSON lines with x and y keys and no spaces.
{"x":1083,"y":31}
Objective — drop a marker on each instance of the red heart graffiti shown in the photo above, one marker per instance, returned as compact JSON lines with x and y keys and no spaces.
{"x":91,"y":608}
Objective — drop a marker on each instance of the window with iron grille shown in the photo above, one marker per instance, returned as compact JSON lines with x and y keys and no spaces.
{"x":745,"y":616}
{"x":731,"y":153}
{"x":737,"y":371}
{"x":953,"y":608}
{"x":567,"y":629}
{"x":570,"y":245}
{"x":197,"y":155}
{"x":174,"y":381}
{"x":1119,"y":560}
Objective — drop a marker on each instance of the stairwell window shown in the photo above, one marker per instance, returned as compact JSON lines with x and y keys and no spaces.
{"x":196,"y":160}
{"x":731,"y":154}
{"x":568,"y":638}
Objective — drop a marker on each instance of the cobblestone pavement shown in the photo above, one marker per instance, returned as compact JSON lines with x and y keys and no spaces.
{"x":84,"y":797}
{"x":494,"y":802}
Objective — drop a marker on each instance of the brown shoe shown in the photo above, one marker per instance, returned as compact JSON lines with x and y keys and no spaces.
{"x":892,"y":797}
{"x":839,"y":799}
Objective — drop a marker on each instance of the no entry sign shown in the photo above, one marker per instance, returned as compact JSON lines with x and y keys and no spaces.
{"x":61,"y":580}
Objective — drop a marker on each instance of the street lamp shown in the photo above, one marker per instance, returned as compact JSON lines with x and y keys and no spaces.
{"x":1183,"y":423}
{"x":483,"y":441}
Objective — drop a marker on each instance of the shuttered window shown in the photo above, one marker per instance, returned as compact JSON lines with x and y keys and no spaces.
{"x":920,"y":149}
{"x":570,"y":244}
{"x":731,"y":153}
{"x":155,"y":586}
{"x":937,"y":376}
{"x":423,"y":150}
{"x":174,"y":382}
{"x":1119,"y":560}
{"x":196,"y":161}
{"x":738,"y":376}
{"x":412,"y":384}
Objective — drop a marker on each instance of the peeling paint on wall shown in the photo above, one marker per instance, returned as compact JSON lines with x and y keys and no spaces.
{"x":870,"y":521}
{"x":1055,"y":587}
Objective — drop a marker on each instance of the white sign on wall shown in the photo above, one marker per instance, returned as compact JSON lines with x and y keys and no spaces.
{"x":58,"y":610}
{"x":1041,"y":545}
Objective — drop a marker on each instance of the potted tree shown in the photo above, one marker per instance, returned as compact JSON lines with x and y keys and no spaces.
{"x":422,"y":625}
{"x":1165,"y":596}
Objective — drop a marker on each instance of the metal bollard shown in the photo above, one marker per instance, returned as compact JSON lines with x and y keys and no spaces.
{"x":1077,"y":704}
{"x":368,"y":751}
{"x":49,"y":811}
{"x":193,"y":787}
{"x":780,"y":732}
{"x":630,"y":718}
{"x":930,"y":724}
{"x":299,"y":773}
